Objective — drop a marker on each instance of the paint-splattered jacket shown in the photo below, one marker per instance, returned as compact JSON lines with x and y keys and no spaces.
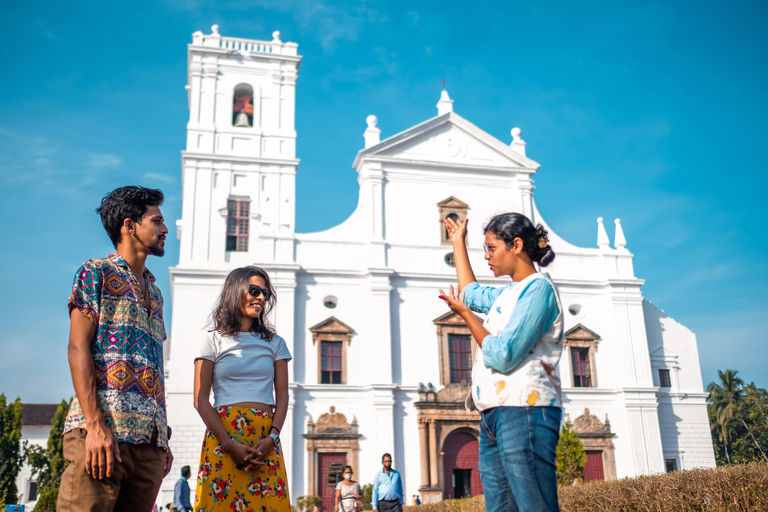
{"x":516,"y":366}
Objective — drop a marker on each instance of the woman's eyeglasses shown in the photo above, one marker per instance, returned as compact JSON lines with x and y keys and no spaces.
{"x":256,"y":290}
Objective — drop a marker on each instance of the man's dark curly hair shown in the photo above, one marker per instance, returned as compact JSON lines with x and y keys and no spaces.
{"x":129,"y":202}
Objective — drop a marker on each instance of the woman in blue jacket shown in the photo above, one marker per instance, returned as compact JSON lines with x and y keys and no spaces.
{"x":514,"y":383}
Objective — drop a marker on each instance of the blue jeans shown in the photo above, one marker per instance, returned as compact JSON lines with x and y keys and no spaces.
{"x":517,"y":458}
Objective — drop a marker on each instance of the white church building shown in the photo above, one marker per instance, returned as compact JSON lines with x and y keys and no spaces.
{"x":379,"y":363}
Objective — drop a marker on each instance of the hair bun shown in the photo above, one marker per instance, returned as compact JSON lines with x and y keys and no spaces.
{"x":546,"y":256}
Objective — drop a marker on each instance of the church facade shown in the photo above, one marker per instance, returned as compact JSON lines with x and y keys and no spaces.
{"x":379,"y":363}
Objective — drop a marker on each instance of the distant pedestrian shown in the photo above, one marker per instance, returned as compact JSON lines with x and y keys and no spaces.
{"x":514,"y":378}
{"x":348,"y":493}
{"x":116,"y":434}
{"x":245,"y":363}
{"x":418,"y":500}
{"x":387,"y":495}
{"x":181,"y":501}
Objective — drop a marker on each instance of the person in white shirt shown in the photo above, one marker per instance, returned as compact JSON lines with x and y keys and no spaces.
{"x":348,"y":493}
{"x":246,"y":364}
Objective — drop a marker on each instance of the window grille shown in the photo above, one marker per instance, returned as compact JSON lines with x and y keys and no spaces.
{"x":664,"y":380}
{"x":330,"y":362}
{"x":237,"y":225}
{"x":581,"y":370}
{"x":460,"y":357}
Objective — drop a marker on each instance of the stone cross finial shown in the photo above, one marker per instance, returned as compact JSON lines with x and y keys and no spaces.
{"x":215,"y":30}
{"x":619,"y":241}
{"x":602,"y":235}
{"x":276,"y":36}
{"x":445,"y":104}
{"x":371,"y":134}
{"x":518,"y":144}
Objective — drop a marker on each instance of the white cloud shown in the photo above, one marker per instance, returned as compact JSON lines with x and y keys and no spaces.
{"x":158,"y":177}
{"x":104,"y":161}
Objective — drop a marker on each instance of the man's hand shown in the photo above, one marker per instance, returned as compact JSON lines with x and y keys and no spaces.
{"x":168,"y":462}
{"x":101,"y":450}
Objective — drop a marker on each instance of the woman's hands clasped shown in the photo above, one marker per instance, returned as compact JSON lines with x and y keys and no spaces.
{"x":250,"y":458}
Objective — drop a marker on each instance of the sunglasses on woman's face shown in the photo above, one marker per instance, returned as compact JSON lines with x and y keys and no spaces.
{"x":256,"y":290}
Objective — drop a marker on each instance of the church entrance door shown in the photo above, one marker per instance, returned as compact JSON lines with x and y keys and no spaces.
{"x":327,"y":470}
{"x":593,"y":469}
{"x":462,"y":478}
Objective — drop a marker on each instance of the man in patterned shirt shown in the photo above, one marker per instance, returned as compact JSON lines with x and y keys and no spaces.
{"x":116,"y":434}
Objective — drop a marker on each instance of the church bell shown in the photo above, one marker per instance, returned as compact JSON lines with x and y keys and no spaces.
{"x":242,"y":120}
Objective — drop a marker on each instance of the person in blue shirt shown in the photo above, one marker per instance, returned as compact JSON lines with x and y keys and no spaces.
{"x":387,"y":494}
{"x":515,"y":385}
{"x":181,"y":501}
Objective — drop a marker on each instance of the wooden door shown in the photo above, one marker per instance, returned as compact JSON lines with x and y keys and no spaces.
{"x":460,"y":465}
{"x":326,"y":490}
{"x":593,"y":470}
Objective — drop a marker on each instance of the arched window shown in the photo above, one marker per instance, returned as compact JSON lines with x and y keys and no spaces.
{"x":242,"y":106}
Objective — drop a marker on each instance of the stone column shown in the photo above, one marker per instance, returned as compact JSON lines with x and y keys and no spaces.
{"x":424,"y":454}
{"x":433,"y":454}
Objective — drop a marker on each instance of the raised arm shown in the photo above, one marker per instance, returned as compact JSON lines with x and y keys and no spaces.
{"x":202,"y":392}
{"x":458,"y":234}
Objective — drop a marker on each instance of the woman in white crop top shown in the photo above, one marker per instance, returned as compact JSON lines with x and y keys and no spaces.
{"x":246,"y":365}
{"x":514,"y":379}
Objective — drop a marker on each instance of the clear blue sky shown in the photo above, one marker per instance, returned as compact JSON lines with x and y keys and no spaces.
{"x":654,"y":112}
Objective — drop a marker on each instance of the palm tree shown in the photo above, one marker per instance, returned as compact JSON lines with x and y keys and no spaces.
{"x":727,"y":397}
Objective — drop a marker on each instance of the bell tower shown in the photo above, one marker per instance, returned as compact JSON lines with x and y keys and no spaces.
{"x":239,"y":166}
{"x":238,"y":191}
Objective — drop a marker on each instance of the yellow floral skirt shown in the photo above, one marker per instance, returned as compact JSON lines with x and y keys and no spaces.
{"x":223,"y":487}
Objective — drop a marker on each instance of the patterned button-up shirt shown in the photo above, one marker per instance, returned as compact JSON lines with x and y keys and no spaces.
{"x":127,"y":350}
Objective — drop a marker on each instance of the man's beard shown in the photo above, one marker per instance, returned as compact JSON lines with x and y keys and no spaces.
{"x":156,"y":249}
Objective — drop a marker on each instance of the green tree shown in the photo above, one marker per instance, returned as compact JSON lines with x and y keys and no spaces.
{"x":49,"y":462}
{"x":738,"y":416}
{"x":726,"y":398}
{"x":11,"y":416}
{"x":306,"y":503}
{"x":367,"y":496}
{"x":570,"y":457}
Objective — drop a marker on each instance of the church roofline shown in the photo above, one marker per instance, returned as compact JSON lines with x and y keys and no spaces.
{"x":432,"y":123}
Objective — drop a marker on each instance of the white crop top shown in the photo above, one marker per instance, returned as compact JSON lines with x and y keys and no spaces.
{"x":243,"y":366}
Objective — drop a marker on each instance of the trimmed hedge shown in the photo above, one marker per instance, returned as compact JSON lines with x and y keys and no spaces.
{"x":739,"y":487}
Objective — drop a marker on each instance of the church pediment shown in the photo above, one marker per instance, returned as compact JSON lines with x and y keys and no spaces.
{"x":580,"y":333}
{"x":448,"y":139}
{"x":452,"y":202}
{"x":332,"y":422}
{"x":589,"y":424}
{"x":331,"y":325}
{"x":450,"y":319}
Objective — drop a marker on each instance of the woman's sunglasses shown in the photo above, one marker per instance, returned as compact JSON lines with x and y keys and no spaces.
{"x":256,"y":290}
